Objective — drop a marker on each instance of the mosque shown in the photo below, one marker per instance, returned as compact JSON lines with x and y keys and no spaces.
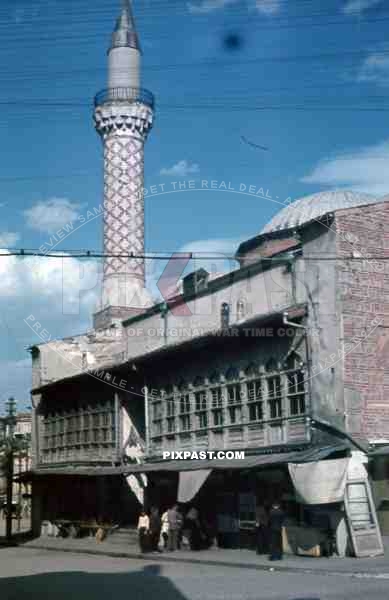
{"x":286,"y":358}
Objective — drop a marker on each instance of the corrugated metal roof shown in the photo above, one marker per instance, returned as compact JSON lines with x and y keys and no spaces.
{"x":249,"y":462}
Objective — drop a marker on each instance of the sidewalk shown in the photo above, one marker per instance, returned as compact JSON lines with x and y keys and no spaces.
{"x":18,"y":535}
{"x":351,"y":567}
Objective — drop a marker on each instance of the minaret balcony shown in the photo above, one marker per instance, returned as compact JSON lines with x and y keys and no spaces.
{"x":126,"y":95}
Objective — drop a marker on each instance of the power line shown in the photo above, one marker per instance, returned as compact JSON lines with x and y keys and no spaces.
{"x":209,"y":104}
{"x":212,"y":63}
{"x":21,"y":252}
{"x":83,"y":39}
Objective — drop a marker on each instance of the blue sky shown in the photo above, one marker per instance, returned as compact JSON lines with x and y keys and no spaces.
{"x":284,"y":74}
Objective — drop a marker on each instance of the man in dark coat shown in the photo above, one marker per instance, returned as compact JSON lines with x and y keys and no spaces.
{"x":155,"y":529}
{"x":276,"y":522}
{"x":261,"y":529}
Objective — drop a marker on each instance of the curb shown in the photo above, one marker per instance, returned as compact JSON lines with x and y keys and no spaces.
{"x":212,"y":563}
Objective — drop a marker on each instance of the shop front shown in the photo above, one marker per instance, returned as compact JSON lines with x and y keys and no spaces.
{"x":324,"y":493}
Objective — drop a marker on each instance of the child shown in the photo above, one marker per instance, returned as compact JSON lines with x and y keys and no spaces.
{"x":143,"y":530}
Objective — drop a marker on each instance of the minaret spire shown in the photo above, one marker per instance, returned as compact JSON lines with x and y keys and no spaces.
{"x":125,"y":31}
{"x":124,"y":114}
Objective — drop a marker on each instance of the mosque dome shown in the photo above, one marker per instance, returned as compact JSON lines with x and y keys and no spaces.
{"x":315,"y":206}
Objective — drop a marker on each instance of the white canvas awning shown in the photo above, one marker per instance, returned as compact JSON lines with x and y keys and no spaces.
{"x":189,"y":483}
{"x":320,"y":482}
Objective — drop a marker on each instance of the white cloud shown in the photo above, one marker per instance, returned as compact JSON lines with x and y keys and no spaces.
{"x":8,"y":238}
{"x":181,"y":169}
{"x":356,"y":7}
{"x":57,"y":290}
{"x":266,"y":7}
{"x":61,"y":294}
{"x":362,"y":170}
{"x":50,"y":215}
{"x":214,"y":255}
{"x":207,"y":6}
{"x":222,"y":249}
{"x":375,"y":68}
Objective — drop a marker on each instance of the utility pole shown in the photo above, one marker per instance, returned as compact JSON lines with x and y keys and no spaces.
{"x":10,"y":425}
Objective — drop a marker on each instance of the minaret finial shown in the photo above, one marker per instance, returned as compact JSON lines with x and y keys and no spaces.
{"x":125,"y":31}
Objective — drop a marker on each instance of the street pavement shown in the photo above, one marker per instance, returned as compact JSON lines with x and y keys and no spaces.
{"x":368,"y":567}
{"x":39,"y":575}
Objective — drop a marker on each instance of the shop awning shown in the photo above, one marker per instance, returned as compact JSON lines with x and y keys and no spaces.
{"x":249,"y":462}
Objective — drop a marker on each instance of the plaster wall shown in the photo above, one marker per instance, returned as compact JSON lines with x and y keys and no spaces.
{"x":317,"y":280}
{"x":262,"y":293}
{"x":60,"y":359}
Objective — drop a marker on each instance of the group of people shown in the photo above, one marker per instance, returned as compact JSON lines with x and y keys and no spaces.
{"x":269,"y":526}
{"x":171,"y":530}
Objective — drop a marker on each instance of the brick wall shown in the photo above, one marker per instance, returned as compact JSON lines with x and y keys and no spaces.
{"x":363,"y":301}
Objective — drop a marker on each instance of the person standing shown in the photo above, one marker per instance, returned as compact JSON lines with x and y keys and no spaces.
{"x":261,"y":529}
{"x":155,"y":529}
{"x":193,"y":525}
{"x":173,"y":520}
{"x":143,"y":530}
{"x":165,"y":529}
{"x":180,"y":524}
{"x":276,"y":522}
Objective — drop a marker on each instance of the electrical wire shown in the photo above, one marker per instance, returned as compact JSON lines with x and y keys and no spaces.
{"x":21,"y":252}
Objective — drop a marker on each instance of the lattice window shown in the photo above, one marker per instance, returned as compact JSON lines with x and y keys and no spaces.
{"x":217,"y":397}
{"x":295,"y":385}
{"x":274,"y":396}
{"x":184,"y":404}
{"x":171,"y":424}
{"x":234,"y":398}
{"x":185,"y":409}
{"x":82,"y":426}
{"x":217,"y":406}
{"x":157,"y":410}
{"x":255,"y":400}
{"x":218,"y":419}
{"x":201,"y":401}
{"x":170,"y":403}
{"x":201,"y":404}
{"x":185,"y":423}
{"x":157,"y":417}
{"x":234,"y":394}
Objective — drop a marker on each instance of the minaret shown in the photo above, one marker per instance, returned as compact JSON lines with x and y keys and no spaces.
{"x":123,"y":117}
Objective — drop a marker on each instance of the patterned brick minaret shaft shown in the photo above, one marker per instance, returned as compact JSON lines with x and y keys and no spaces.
{"x":123,"y":118}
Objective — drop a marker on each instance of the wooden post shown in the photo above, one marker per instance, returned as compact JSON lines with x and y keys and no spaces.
{"x":118,"y":429}
{"x":147,"y":423}
{"x":19,"y":490}
{"x":10,"y":475}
